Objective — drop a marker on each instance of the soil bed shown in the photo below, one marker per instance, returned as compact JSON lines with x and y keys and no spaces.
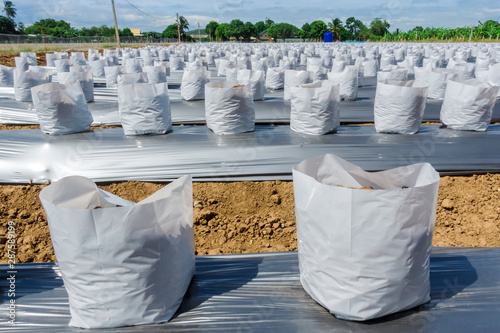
{"x":249,"y":217}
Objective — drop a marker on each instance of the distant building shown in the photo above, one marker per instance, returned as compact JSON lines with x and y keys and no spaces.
{"x":264,"y":37}
{"x":199,"y":36}
{"x":136,"y":32}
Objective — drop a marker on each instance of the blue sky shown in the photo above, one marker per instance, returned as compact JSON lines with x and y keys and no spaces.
{"x":155,"y":15}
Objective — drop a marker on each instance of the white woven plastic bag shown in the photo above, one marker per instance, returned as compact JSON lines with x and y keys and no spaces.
{"x":397,"y":74}
{"x":315,"y":108}
{"x":294,"y":78}
{"x":275,"y":78}
{"x":6,"y":76}
{"x":156,"y":74}
{"x":144,"y":108}
{"x":438,"y":79}
{"x":370,"y":68}
{"x":229,"y":109}
{"x":492,"y":75}
{"x":133,"y":66}
{"x":257,"y":81}
{"x":176,"y":63}
{"x":122,"y":263}
{"x":25,"y":80}
{"x":468,"y":105}
{"x":193,"y":83}
{"x":364,"y":254}
{"x":399,"y":106}
{"x":83,"y":76}
{"x":97,"y":67}
{"x":61,"y":108}
{"x":131,"y":78}
{"x":348,"y":82}
{"x":62,"y":65}
{"x":112,"y":73}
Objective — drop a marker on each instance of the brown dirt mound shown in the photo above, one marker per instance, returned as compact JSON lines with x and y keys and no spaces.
{"x":243,"y":217}
{"x":22,"y":127}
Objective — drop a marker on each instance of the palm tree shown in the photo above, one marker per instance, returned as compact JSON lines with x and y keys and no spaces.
{"x":183,"y":25}
{"x":9,"y":9}
{"x":335,"y":28}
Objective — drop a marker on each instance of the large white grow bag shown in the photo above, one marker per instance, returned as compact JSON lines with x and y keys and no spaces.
{"x":438,"y":79}
{"x":315,"y":108}
{"x":112,"y":75}
{"x":122,"y":263}
{"x":25,"y":80}
{"x":397,"y":74}
{"x":348,"y":82}
{"x":62,"y":65}
{"x":61,"y":108}
{"x":399,"y":106}
{"x":156,"y":74}
{"x":257,"y":81}
{"x":492,"y":75}
{"x":84,"y":77}
{"x":144,"y":108}
{"x":468,"y":105}
{"x":294,"y":78}
{"x":275,"y":78}
{"x":6,"y":76}
{"x":364,"y":254}
{"x":193,"y":83}
{"x":229,"y":109}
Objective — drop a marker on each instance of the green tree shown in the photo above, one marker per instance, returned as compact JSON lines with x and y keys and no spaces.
{"x":335,"y":28}
{"x":21,"y":27}
{"x":183,"y":26}
{"x":210,"y":28}
{"x":354,"y":27}
{"x":260,"y":27}
{"x":248,"y":30}
{"x":9,"y":9}
{"x":222,"y":31}
{"x":283,"y":31}
{"x":318,"y":29}
{"x":305,"y":31}
{"x":378,"y":27}
{"x":170,"y":31}
{"x":7,"y":25}
{"x":268,"y":22}
{"x":126,"y":32}
{"x":49,"y":27}
{"x":152,"y":34}
{"x":236,"y":28}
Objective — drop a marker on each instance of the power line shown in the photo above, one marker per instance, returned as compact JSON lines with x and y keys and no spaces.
{"x":126,"y":4}
{"x":144,"y":16}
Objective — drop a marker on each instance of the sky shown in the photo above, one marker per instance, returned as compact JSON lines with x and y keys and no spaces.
{"x":155,"y":15}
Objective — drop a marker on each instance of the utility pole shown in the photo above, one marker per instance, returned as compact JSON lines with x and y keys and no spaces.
{"x":178,"y":30}
{"x":199,"y":33}
{"x":116,"y":23}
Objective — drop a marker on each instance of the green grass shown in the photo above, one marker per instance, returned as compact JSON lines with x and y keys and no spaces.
{"x":48,"y":47}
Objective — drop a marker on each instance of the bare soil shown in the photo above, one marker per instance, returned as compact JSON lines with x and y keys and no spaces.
{"x":249,"y":217}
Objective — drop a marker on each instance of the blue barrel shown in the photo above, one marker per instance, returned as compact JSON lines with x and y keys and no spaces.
{"x":328,"y":37}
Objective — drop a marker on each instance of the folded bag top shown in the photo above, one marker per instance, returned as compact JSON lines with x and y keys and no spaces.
{"x":122,"y":263}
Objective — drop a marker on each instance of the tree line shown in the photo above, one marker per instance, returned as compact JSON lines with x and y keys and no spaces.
{"x":350,"y":30}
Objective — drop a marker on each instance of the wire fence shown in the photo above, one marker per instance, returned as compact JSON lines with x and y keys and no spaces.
{"x":26,"y":39}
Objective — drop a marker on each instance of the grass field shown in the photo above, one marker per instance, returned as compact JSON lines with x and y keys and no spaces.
{"x":8,"y":48}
